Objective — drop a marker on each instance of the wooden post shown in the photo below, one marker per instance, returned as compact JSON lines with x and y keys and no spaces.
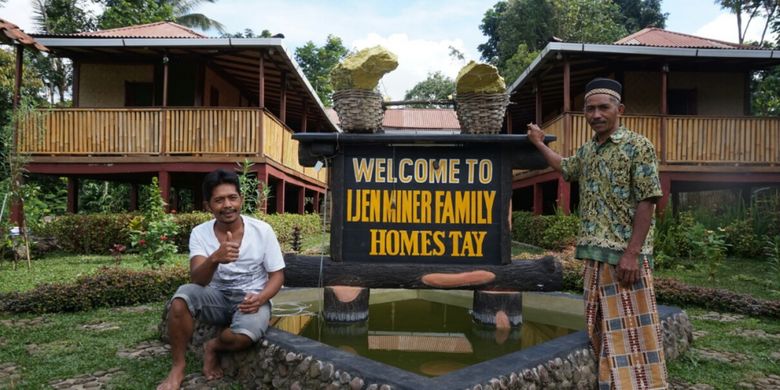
{"x":262,"y":181}
{"x":164,"y":178}
{"x":76,"y":89}
{"x":17,"y":207}
{"x":666,"y":188}
{"x":346,"y":304}
{"x":261,"y":83}
{"x":305,"y":118}
{"x":261,"y":104}
{"x":538,"y":199}
{"x":664,"y":109}
{"x":502,"y":309}
{"x":134,"y":196}
{"x":280,"y":187}
{"x":301,"y":200}
{"x":564,"y":194}
{"x":316,"y":202}
{"x":283,"y":100}
{"x":538,"y":103}
{"x":567,"y":119}
{"x":73,"y":195}
{"x":508,"y":121}
{"x":164,"y":126}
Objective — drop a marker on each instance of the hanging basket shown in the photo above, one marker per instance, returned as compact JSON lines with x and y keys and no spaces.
{"x":481,"y":113}
{"x":359,"y":111}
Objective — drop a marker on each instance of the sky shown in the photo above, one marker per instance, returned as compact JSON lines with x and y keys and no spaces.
{"x":419,"y":32}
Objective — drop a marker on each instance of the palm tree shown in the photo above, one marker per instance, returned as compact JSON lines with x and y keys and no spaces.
{"x":182,"y":12}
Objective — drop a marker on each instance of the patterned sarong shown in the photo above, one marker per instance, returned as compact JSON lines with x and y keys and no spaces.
{"x":624,"y":329}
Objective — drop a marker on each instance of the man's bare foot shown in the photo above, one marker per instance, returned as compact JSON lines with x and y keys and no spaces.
{"x":173,"y":381}
{"x":211,"y":368}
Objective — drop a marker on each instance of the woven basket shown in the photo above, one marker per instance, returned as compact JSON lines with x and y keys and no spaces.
{"x":481,"y":113}
{"x":359,"y":111}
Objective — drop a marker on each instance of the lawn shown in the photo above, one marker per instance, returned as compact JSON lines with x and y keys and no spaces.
{"x":67,"y":345}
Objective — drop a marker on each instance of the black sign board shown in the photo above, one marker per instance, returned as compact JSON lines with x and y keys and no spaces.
{"x":421,"y":200}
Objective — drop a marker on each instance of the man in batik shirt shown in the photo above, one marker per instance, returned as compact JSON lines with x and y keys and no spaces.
{"x":618,"y":179}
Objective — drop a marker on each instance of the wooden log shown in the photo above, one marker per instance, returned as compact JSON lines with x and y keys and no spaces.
{"x":498,"y":308}
{"x":346,"y":304}
{"x":543,"y":274}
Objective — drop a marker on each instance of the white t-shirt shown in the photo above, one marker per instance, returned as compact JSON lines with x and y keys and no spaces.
{"x":258,"y":254}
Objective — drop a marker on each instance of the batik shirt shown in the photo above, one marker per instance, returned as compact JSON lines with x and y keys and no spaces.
{"x":613,"y":177}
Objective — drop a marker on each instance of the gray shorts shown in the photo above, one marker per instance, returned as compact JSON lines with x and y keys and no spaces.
{"x":221,"y":308}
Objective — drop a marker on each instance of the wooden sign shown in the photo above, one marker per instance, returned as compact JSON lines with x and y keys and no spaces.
{"x":421,"y":204}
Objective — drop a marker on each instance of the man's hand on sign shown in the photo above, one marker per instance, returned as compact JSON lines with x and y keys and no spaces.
{"x":535,"y":134}
{"x":227,"y":251}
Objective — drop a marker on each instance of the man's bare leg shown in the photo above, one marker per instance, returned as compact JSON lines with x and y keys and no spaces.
{"x":180,"y":325}
{"x":226,"y":341}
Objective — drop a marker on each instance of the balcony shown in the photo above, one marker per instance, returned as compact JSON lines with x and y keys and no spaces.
{"x":687,"y":140}
{"x":156,"y":134}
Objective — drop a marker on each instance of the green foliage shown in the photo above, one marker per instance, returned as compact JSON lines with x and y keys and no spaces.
{"x":247,"y":33}
{"x":152,"y":234}
{"x":670,"y":291}
{"x":772,"y":253}
{"x":436,"y":87}
{"x":741,"y":239}
{"x":518,"y":63}
{"x":547,"y":231}
{"x":254,"y":192}
{"x":638,"y":14}
{"x":511,"y":23}
{"x":108,"y":287}
{"x":765,"y":88}
{"x":316,"y":62}
{"x":186,"y":222}
{"x":121,"y":13}
{"x":87,"y":233}
{"x":283,"y":225}
{"x":712,"y":247}
{"x":98,"y":196}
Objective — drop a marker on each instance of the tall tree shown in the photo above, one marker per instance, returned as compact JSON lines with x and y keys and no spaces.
{"x":751,"y":9}
{"x":638,"y":14}
{"x":516,"y":64}
{"x":120,"y":13}
{"x":435,"y":87}
{"x":58,"y":17}
{"x":530,"y":24}
{"x":317,"y":62}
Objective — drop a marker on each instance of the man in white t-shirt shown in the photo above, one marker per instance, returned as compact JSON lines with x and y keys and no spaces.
{"x":236,"y":267}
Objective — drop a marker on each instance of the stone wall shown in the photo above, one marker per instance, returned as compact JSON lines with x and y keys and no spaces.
{"x":283,"y":361}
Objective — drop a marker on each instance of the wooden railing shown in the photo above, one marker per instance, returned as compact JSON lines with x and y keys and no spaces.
{"x":688,"y":139}
{"x":161,"y":132}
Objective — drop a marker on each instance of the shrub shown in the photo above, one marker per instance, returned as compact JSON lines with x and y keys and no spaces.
{"x":671,"y":291}
{"x":88,"y":233}
{"x":283,"y":225}
{"x":152,"y":234}
{"x":186,"y":223}
{"x":108,"y":287}
{"x":741,"y":239}
{"x":547,"y":231}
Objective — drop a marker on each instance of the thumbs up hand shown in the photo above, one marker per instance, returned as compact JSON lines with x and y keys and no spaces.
{"x":227,"y":251}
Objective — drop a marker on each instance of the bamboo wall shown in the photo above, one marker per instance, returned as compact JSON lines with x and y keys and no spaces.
{"x":689,"y":139}
{"x":161,"y":132}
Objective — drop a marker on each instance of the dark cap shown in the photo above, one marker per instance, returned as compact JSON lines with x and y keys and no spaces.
{"x":605,"y":86}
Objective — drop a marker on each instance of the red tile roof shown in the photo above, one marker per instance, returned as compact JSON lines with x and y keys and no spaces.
{"x":653,"y":36}
{"x":11,"y":32}
{"x":151,"y":30}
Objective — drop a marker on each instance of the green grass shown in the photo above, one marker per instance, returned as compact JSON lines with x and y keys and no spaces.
{"x":67,"y":351}
{"x":62,"y":268}
{"x":749,"y":276}
{"x":693,"y":369}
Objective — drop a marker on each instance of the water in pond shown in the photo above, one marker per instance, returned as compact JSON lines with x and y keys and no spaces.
{"x":425,"y":337}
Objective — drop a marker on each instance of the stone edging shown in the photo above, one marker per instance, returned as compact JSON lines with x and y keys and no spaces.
{"x":283,"y":360}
